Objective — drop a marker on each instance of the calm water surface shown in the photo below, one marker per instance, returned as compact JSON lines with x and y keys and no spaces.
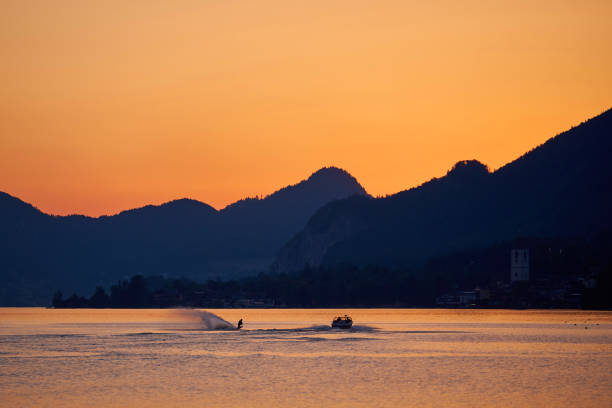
{"x":292,"y":358}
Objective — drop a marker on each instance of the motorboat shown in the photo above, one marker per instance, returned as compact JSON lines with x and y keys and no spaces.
{"x":342,"y":322}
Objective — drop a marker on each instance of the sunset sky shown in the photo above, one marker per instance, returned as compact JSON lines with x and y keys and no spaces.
{"x":109,"y":105}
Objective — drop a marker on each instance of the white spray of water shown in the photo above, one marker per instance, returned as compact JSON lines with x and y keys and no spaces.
{"x":210,"y":321}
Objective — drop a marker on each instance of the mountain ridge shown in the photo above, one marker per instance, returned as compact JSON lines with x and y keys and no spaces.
{"x":182,"y":237}
{"x":560,"y":187}
{"x":323,"y":172}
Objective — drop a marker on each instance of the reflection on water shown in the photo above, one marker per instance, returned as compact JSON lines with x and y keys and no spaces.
{"x":293,"y":358}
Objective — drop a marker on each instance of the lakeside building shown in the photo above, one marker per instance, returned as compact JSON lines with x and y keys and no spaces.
{"x":519,"y":265}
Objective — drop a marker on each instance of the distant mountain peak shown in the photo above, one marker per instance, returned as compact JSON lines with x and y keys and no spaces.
{"x":330,"y":171}
{"x":335,"y":177}
{"x":186,"y":203}
{"x":181,"y":204}
{"x":324,"y":185}
{"x":468,"y":169}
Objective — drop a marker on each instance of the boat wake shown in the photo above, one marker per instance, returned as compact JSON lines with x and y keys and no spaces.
{"x":210,"y":321}
{"x":320,"y":328}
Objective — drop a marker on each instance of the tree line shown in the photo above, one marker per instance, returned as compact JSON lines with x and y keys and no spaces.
{"x":370,"y":286}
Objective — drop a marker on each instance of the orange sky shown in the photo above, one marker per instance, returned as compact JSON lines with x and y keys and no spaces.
{"x":110,"y":105}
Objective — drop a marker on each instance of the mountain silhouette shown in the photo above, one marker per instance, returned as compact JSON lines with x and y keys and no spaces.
{"x":40,"y":253}
{"x":561,"y":188}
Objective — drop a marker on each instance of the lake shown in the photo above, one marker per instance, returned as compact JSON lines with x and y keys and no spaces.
{"x":292,"y":358}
